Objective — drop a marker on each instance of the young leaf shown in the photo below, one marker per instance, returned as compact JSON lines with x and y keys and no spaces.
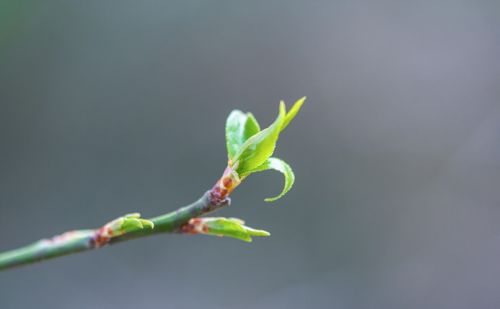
{"x":293,"y":112}
{"x":129,"y":222}
{"x":231,"y":227}
{"x":282,"y":167}
{"x":239,"y":128}
{"x":258,"y":148}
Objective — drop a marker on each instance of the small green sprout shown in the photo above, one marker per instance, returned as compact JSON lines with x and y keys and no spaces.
{"x":121,"y":225}
{"x":133,"y":221}
{"x":220,"y":226}
{"x":250,"y":149}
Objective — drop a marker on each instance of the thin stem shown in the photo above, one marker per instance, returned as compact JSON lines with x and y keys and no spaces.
{"x":83,"y":240}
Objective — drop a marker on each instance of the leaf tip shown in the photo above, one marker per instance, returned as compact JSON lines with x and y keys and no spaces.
{"x":282,"y":108}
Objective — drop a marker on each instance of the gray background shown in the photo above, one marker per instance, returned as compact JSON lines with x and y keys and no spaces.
{"x":108,"y":107}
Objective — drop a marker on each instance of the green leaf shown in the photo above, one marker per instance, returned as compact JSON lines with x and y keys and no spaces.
{"x":231,"y":227}
{"x":239,"y":128}
{"x":282,"y":167}
{"x":258,"y":148}
{"x":293,"y":112}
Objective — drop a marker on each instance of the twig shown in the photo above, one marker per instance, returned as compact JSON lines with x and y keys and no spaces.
{"x":83,"y":240}
{"x":249,"y":151}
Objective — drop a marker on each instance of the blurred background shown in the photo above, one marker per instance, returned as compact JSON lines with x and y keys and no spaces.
{"x":113,"y":107}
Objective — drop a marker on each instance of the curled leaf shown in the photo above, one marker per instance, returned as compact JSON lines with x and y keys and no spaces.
{"x":282,"y":167}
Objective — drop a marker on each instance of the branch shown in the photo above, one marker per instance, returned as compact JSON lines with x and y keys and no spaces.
{"x":83,"y":240}
{"x":249,"y":151}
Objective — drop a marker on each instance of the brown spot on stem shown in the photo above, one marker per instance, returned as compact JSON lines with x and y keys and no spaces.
{"x":101,"y":237}
{"x":194,"y":226}
{"x":227,"y":182}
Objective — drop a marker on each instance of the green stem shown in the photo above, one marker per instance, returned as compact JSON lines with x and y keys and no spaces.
{"x":83,"y":240}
